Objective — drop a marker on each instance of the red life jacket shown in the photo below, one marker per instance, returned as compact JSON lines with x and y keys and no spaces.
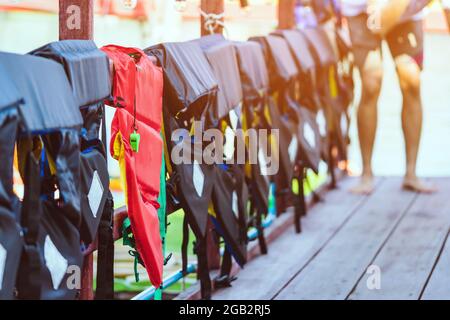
{"x":137,"y":94}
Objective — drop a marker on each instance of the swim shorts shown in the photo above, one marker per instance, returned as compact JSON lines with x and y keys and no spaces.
{"x":406,"y":38}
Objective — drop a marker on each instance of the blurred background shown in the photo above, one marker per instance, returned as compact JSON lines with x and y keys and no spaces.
{"x":28,"y":24}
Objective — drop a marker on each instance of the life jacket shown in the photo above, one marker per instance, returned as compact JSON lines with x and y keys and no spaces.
{"x":325,"y":9}
{"x":11,"y":241}
{"x":329,"y":83}
{"x":255,"y":87}
{"x":49,"y":163}
{"x":190,"y":93}
{"x":136,"y":143}
{"x":278,"y":76}
{"x":307,"y":95}
{"x":303,"y":122}
{"x":230,"y":192}
{"x":304,"y":146}
{"x":87,"y":69}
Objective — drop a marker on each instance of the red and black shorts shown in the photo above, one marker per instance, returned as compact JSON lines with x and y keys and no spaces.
{"x":406,"y":38}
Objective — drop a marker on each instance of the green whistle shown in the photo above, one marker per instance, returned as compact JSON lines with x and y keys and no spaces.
{"x":135,"y":140}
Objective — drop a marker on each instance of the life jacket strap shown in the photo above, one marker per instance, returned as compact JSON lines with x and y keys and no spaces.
{"x":184,"y":245}
{"x":225,"y":279}
{"x":29,"y":279}
{"x":105,"y":259}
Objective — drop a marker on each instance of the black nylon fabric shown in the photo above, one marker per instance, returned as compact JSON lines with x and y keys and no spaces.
{"x":255,"y":85}
{"x":310,"y":146}
{"x":11,"y":242}
{"x":284,"y":62}
{"x":9,"y":95}
{"x":277,"y":104}
{"x":86,"y":66}
{"x":188,"y":80}
{"x":94,"y":173}
{"x":87,"y":69}
{"x":221,"y":56}
{"x":230,"y":212}
{"x":299,"y":46}
{"x":295,"y":117}
{"x":50,"y":111}
{"x":306,"y":94}
{"x":229,"y":184}
{"x":318,"y":39}
{"x":334,"y":108}
{"x":61,"y":218}
{"x":254,"y":75}
{"x":310,"y":140}
{"x":45,"y":89}
{"x":195,"y":204}
{"x":190,"y":92}
{"x":51,"y":222}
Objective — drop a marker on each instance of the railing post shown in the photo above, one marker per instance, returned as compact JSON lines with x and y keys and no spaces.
{"x":213,"y":250}
{"x":447,"y":16}
{"x":286,"y":14}
{"x":211,"y":6}
{"x":76,"y":21}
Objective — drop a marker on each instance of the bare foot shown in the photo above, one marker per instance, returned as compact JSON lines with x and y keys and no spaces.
{"x":365,"y":186}
{"x":417,"y":185}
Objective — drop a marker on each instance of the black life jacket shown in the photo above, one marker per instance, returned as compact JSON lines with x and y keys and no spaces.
{"x":87,"y":69}
{"x":285,"y":117}
{"x":308,"y":94}
{"x":190,"y":92}
{"x":11,"y":241}
{"x":288,"y":146}
{"x":255,"y":87}
{"x":230,"y":192}
{"x":329,"y":83}
{"x":49,"y":162}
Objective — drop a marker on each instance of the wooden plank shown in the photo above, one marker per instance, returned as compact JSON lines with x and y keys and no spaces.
{"x":408,"y":257}
{"x":438,"y":287}
{"x":272,"y":233}
{"x":333,"y":273}
{"x":76,"y":19}
{"x":263,"y":277}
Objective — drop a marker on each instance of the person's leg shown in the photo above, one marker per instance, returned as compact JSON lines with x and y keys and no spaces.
{"x":371,"y":79}
{"x":366,"y":49}
{"x":412,"y":117}
{"x":406,"y":44}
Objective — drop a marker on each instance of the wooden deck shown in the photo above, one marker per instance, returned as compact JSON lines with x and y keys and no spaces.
{"x":402,"y":234}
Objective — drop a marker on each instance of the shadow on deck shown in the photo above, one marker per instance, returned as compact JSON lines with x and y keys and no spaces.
{"x":347,"y":238}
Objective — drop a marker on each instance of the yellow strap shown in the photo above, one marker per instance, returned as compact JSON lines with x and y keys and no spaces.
{"x":119,"y":155}
{"x":211,"y":210}
{"x":334,"y":90}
